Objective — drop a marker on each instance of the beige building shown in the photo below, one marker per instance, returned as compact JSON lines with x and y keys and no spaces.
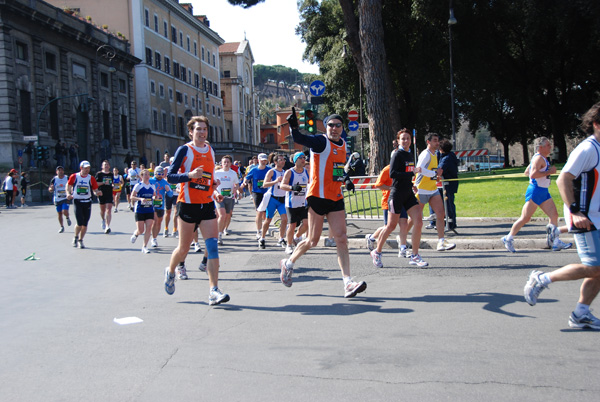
{"x":240,"y":102}
{"x":179,"y":77}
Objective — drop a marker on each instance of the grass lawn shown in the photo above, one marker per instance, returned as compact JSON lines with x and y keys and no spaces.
{"x":479,"y":194}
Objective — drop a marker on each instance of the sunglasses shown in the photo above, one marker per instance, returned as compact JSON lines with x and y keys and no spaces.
{"x":338,"y":125}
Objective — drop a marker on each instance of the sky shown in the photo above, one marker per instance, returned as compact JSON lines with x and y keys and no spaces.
{"x":268,"y":26}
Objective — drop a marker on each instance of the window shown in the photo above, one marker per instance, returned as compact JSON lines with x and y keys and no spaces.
{"x":124,"y":131}
{"x":50,"y":61}
{"x":147,"y":17}
{"x":106,"y":124}
{"x":193,"y":102}
{"x":219,"y":111}
{"x":195,"y":48}
{"x":157,"y":60}
{"x":148,"y":56}
{"x":183,"y":74}
{"x":196,"y":80}
{"x":203,"y":83}
{"x":167,"y":65}
{"x":21,"y":51}
{"x":202,"y":53}
{"x":188,"y":43}
{"x":171,"y":94}
{"x":227,"y":74}
{"x":180,"y":38}
{"x":165,"y":29}
{"x":185,"y":99}
{"x":161,"y":90}
{"x":189,"y":75}
{"x":209,"y":87}
{"x":181,"y":126}
{"x":79,"y":70}
{"x":215,"y":89}
{"x":208,"y":57}
{"x":164,"y":121}
{"x":173,"y":34}
{"x":214,"y":110}
{"x":155,"y":23}
{"x":176,"y":70}
{"x":152,"y":87}
{"x":103,"y":80}
{"x":173,"y":126}
{"x":155,"y":120}
{"x":214,"y":60}
{"x":178,"y":96}
{"x":122,"y":86}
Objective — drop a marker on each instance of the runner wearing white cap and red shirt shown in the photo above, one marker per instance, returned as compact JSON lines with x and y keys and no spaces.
{"x":79,"y":189}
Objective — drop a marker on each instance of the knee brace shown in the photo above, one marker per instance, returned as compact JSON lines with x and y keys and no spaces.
{"x":211,"y":248}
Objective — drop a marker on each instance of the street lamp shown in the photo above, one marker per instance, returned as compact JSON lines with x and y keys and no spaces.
{"x":452,"y":21}
{"x":108,"y":53}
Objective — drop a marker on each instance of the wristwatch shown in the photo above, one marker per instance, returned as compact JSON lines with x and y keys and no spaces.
{"x":574,"y":208}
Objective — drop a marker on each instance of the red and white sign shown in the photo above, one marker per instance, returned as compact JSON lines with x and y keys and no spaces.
{"x":471,"y":152}
{"x":353,"y":115}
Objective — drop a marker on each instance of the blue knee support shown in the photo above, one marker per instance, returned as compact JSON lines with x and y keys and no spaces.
{"x":211,"y":248}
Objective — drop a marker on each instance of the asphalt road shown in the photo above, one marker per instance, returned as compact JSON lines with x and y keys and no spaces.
{"x":458,"y":331}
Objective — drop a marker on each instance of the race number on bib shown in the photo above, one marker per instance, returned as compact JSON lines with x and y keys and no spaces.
{"x":338,"y":171}
{"x":204,"y":183}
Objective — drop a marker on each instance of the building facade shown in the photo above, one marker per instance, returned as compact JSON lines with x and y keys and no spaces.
{"x":240,"y":102}
{"x":179,"y":76}
{"x":63,"y":80}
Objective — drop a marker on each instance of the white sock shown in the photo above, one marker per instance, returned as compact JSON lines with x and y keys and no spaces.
{"x":347,"y":279}
{"x":289,"y":264}
{"x":546,"y":280}
{"x":509,"y":237}
{"x":581,"y":309}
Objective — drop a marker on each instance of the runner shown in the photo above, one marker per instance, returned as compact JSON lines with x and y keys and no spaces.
{"x":426,"y":184}
{"x":58,"y":186}
{"x":402,"y":199}
{"x":324,"y":198}
{"x":537,"y":195}
{"x":104,"y":178}
{"x":578,"y":188}
{"x":169,"y":202}
{"x":274,"y":200}
{"x":133,"y":178}
{"x":117,"y":188}
{"x":79,"y":189}
{"x":228,"y":186}
{"x":257,"y":176}
{"x":143,"y":194}
{"x":295,"y":181}
{"x":197,"y":195}
{"x":163,"y":191}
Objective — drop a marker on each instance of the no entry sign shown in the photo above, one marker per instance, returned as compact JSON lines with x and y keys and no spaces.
{"x":353,"y":115}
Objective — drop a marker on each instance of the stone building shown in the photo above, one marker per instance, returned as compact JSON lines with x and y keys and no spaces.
{"x":63,"y":79}
{"x":179,"y":77}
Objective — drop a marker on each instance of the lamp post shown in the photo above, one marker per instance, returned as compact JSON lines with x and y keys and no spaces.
{"x":452,"y":21}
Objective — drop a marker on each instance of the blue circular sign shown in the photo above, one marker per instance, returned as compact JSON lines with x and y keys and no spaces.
{"x":353,"y":126}
{"x":317,"y":88}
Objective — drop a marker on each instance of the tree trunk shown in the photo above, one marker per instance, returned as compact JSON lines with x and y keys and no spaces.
{"x":505,"y":145}
{"x":383,"y":111}
{"x":525,"y":151}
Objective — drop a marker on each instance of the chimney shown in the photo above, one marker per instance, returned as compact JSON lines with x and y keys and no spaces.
{"x":203,"y":19}
{"x":188,"y":7}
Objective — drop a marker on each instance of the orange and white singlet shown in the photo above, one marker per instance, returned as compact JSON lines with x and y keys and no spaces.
{"x":327,"y":172}
{"x":197,"y":191}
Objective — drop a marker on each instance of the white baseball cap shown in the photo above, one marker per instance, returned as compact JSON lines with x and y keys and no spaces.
{"x":263,"y":157}
{"x":84,"y":164}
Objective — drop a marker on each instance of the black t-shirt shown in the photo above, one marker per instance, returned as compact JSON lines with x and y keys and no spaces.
{"x":402,"y":168}
{"x":105,"y":181}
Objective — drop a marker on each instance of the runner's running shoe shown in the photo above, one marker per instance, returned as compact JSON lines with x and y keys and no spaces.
{"x":81,"y":245}
{"x":404,"y":253}
{"x":107,"y":231}
{"x":181,"y":272}
{"x":585,"y":321}
{"x":203,"y":264}
{"x":418,"y":261}
{"x":282,"y":243}
{"x":286,"y":273}
{"x":370,"y":242}
{"x":376,"y":259}
{"x":560,"y":245}
{"x":153,"y":243}
{"x":197,"y":247}
{"x":289,"y":250}
{"x":68,"y":221}
{"x":61,"y":230}
{"x":75,"y":240}
{"x":145,"y":250}
{"x":166,"y":233}
{"x":533,"y":287}
{"x":509,"y":244}
{"x":217,"y":297}
{"x":353,"y":288}
{"x":443,"y":245}
{"x":552,"y":232}
{"x":220,"y":240}
{"x":133,"y":238}
{"x":169,"y":282}
{"x":261,"y":244}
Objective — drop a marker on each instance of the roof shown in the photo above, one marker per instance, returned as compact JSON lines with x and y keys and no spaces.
{"x":229,"y":47}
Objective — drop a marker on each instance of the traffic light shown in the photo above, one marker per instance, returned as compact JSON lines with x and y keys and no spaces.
{"x":302,"y":120}
{"x":39,"y":153}
{"x":45,"y":153}
{"x":311,"y":122}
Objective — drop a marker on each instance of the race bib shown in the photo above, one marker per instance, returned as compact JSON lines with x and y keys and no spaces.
{"x":107,"y":181}
{"x":62,"y":194}
{"x":410,"y":167}
{"x":146,"y":202}
{"x":338,"y":171}
{"x":301,"y":192}
{"x":83,"y":190}
{"x":226,"y":192}
{"x":204,"y":183}
{"x":260,"y":183}
{"x":157,"y":203}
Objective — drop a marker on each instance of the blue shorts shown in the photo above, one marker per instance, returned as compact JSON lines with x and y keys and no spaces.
{"x":62,"y":206}
{"x":537,"y":194}
{"x":276,"y":204}
{"x":588,"y":247}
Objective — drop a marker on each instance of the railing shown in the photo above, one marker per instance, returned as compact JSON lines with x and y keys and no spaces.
{"x":365,"y":202}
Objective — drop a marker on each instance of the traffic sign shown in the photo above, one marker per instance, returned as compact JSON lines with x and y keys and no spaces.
{"x":317,"y":88}
{"x":353,"y":126}
{"x":353,"y":115}
{"x":363,"y":125}
{"x":30,"y":138}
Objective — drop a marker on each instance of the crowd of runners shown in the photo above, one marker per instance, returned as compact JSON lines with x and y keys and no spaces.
{"x":306,"y":188}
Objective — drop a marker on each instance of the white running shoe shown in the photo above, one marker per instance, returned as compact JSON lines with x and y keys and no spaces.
{"x":81,"y":245}
{"x":404,"y":253}
{"x":330,"y":242}
{"x":116,"y":210}
{"x":154,"y":243}
{"x":181,"y":272}
{"x":370,"y":243}
{"x":133,"y":238}
{"x":282,"y":242}
{"x":145,"y":250}
{"x":107,"y":231}
{"x":289,"y":250}
{"x":533,"y":287}
{"x":560,"y":245}
{"x":286,"y":273}
{"x":418,"y":261}
{"x":220,"y":239}
{"x":585,"y":321}
{"x":443,"y":245}
{"x":352,"y":288}
{"x":61,"y":230}
{"x":225,"y":232}
{"x":75,"y":240}
{"x":215,"y":296}
{"x":376,"y":259}
{"x":509,"y":244}
{"x":552,"y":233}
{"x":202,"y":266}
{"x":103,"y":224}
{"x":197,"y":247}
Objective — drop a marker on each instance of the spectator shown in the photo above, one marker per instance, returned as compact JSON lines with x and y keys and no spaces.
{"x":355,"y":165}
{"x":74,"y":157}
{"x":24,"y":184}
{"x":449,"y":165}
